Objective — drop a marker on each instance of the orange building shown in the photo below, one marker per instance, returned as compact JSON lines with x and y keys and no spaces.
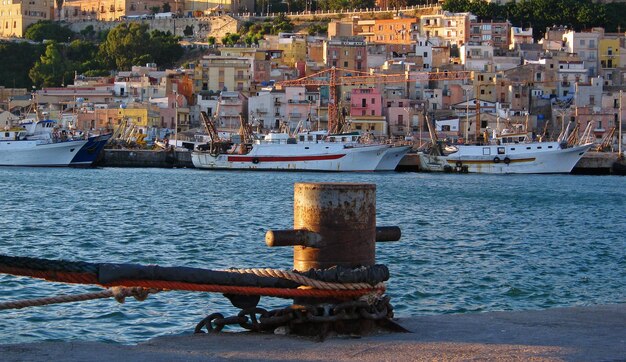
{"x":388,"y":31}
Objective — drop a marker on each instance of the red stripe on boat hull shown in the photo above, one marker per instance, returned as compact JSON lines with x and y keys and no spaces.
{"x":283,"y":158}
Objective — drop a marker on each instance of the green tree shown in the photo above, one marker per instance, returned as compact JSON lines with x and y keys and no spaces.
{"x":88,"y":32}
{"x":51,"y":70}
{"x":231,"y":39}
{"x":131,"y":44}
{"x":49,"y":30}
{"x":164,"y":48}
{"x":211,"y":40}
{"x":166,"y":7}
{"x":17,"y":60}
{"x":125,"y":46}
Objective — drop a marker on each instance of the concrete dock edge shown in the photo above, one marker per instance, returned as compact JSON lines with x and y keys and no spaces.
{"x":596,"y":333}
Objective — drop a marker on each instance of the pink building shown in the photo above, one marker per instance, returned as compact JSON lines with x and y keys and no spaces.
{"x":298,"y":106}
{"x":366,"y":102}
{"x":176,"y":113}
{"x":400,"y":115}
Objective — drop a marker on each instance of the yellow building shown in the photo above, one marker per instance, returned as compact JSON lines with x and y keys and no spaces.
{"x":17,"y":15}
{"x":608,"y":53}
{"x":293,"y":46}
{"x":218,"y":73}
{"x":374,"y":125}
{"x":137,"y":115}
{"x":110,"y":10}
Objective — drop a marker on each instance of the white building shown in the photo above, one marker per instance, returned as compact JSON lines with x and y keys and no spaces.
{"x":585,"y":44}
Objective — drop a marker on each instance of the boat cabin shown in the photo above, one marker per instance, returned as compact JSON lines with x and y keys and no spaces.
{"x":12,"y":135}
{"x":277,"y":138}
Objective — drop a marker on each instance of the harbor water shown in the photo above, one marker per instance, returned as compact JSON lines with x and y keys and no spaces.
{"x":470,"y":244}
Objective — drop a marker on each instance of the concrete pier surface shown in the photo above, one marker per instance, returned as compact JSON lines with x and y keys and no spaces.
{"x":596,"y":333}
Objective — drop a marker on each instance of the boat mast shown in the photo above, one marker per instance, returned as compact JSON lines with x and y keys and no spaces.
{"x":466,"y":115}
{"x":619,"y":135}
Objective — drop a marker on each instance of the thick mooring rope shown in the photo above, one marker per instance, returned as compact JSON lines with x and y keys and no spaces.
{"x":119,"y":293}
{"x":303,"y":280}
{"x":89,"y":273}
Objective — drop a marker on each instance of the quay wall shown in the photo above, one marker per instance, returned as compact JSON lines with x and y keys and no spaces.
{"x":599,"y":163}
{"x":146,"y":158}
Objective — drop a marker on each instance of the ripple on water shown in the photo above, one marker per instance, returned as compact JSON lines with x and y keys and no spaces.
{"x":470,"y":243}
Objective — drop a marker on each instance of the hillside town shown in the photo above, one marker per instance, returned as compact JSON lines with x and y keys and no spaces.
{"x":405,"y":75}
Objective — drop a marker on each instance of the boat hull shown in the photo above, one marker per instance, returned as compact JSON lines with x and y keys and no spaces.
{"x":296,"y":157}
{"x":33,"y":153}
{"x":89,"y":153}
{"x":392,"y":158}
{"x":521,"y":158}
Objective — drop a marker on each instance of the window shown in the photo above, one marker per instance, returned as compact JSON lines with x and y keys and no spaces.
{"x":486,"y":150}
{"x":501,"y":150}
{"x":373,"y":100}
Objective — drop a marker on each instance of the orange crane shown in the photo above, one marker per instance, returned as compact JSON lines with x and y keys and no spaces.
{"x":334,"y":77}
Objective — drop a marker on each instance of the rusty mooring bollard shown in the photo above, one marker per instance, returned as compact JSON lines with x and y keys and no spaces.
{"x":334,"y":224}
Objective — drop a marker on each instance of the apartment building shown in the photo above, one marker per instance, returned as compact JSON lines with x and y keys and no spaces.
{"x":292,"y":45}
{"x":346,"y":53}
{"x":476,"y":56}
{"x":218,"y":73}
{"x":453,"y":28}
{"x":585,"y":44}
{"x":231,"y":107}
{"x":569,"y":73}
{"x":365,"y":102}
{"x":388,"y":31}
{"x":491,"y":33}
{"x":267,"y":108}
{"x":520,"y":36}
{"x":17,"y":15}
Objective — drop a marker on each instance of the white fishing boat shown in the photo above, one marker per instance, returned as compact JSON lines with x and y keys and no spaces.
{"x":304,"y":151}
{"x":508,"y":152}
{"x":312,"y":151}
{"x":38,"y":144}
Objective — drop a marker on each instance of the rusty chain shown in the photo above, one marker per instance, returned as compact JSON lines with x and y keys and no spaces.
{"x":260,"y":320}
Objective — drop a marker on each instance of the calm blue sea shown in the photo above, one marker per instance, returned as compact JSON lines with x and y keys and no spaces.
{"x":471,"y":243}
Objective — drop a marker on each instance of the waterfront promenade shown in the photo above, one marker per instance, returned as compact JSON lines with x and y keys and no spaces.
{"x":595,"y":333}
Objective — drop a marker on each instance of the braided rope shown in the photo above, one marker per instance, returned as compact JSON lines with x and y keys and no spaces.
{"x":119,"y":293}
{"x":303,"y":280}
{"x":271,"y":292}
